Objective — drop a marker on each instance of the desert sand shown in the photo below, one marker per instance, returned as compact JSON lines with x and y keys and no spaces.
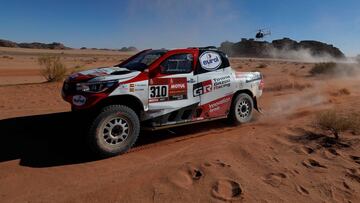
{"x":278,"y":157}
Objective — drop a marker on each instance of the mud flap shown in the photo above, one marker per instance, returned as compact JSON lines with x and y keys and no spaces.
{"x":259,"y":110}
{"x":256,"y":106}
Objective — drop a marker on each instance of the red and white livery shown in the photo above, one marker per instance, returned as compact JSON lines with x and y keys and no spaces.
{"x":159,"y":89}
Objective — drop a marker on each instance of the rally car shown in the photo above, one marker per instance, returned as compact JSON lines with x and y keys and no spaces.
{"x":157,"y":89}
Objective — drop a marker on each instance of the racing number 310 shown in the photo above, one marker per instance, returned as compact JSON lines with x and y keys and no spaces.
{"x":158,"y":91}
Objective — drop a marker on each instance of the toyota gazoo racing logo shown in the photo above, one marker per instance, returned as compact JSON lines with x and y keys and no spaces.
{"x":210,"y":60}
{"x":78,"y":100}
{"x":202,"y":88}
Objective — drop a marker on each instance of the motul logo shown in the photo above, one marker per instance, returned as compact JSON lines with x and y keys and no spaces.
{"x":177,"y":86}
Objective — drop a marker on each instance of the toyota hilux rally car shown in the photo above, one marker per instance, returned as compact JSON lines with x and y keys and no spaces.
{"x":158,"y":89}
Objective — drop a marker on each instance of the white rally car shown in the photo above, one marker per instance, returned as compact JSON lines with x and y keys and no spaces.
{"x":158,"y":89}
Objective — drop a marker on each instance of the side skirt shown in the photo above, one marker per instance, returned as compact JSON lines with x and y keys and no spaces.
{"x":165,"y":126}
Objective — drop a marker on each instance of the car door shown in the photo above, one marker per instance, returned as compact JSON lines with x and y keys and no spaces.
{"x":214,"y":85}
{"x":171,"y":98}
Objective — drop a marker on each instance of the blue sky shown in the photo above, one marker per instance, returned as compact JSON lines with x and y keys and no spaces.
{"x":178,"y":23}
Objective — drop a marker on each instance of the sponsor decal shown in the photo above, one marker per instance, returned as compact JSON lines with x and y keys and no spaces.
{"x":202,"y":88}
{"x":123,"y":86}
{"x":178,"y":86}
{"x":139,"y":87}
{"x":178,"y":89}
{"x":158,"y":92}
{"x":248,"y":77}
{"x":210,"y":60}
{"x":191,"y":80}
{"x":216,"y":106}
{"x":221,"y":82}
{"x":132,"y":87}
{"x":253,"y":78}
{"x":240,"y":75}
{"x":78,"y":100}
{"x":167,"y":89}
{"x":209,"y":85}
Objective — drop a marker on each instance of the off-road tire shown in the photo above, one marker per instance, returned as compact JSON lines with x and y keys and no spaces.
{"x":241,"y":109}
{"x":109,"y":128}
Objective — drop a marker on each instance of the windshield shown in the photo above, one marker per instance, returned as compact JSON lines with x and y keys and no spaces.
{"x":143,"y":60}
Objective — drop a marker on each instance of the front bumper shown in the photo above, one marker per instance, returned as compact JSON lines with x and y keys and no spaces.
{"x":81,"y":100}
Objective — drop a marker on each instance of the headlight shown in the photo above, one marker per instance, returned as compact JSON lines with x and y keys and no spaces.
{"x":95,"y":87}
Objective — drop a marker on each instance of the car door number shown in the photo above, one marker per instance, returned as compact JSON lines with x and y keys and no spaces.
{"x":158,"y":91}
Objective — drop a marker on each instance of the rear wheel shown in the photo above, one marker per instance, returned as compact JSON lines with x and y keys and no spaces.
{"x":114,"y":131}
{"x":241,"y":109}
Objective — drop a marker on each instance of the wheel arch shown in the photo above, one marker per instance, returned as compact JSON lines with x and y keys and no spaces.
{"x":128,"y":100}
{"x":248,"y":92}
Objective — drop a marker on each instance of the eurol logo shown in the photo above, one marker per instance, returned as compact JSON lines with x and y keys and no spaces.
{"x":210,"y":60}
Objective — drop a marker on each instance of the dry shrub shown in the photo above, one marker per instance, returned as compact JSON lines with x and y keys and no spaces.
{"x":355,"y":123}
{"x":53,"y":69}
{"x":8,"y":57}
{"x":335,"y":69}
{"x":91,"y":60}
{"x":343,"y":91}
{"x":335,"y":122}
{"x":323,"y":68}
{"x":293,"y":74}
{"x":262,"y":65}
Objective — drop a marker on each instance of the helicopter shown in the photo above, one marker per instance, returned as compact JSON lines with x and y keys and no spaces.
{"x":261,"y":33}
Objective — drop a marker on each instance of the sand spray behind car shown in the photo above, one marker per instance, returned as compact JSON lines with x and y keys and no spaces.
{"x":346,"y":73}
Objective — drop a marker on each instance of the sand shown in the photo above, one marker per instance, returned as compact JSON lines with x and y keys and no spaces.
{"x":278,"y":157}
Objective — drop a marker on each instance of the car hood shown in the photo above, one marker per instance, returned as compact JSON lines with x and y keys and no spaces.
{"x":103,"y":74}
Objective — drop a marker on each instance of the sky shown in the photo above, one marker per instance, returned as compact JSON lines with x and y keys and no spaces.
{"x":178,"y":23}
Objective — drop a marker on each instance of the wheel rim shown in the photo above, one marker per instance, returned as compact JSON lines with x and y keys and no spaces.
{"x":243,"y":109}
{"x":116,"y":130}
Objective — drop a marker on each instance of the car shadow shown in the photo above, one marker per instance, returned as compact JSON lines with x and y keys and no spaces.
{"x":43,"y":140}
{"x":60,"y":139}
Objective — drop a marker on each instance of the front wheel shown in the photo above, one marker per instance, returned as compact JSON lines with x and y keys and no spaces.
{"x":241,"y":109}
{"x":114,"y":131}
